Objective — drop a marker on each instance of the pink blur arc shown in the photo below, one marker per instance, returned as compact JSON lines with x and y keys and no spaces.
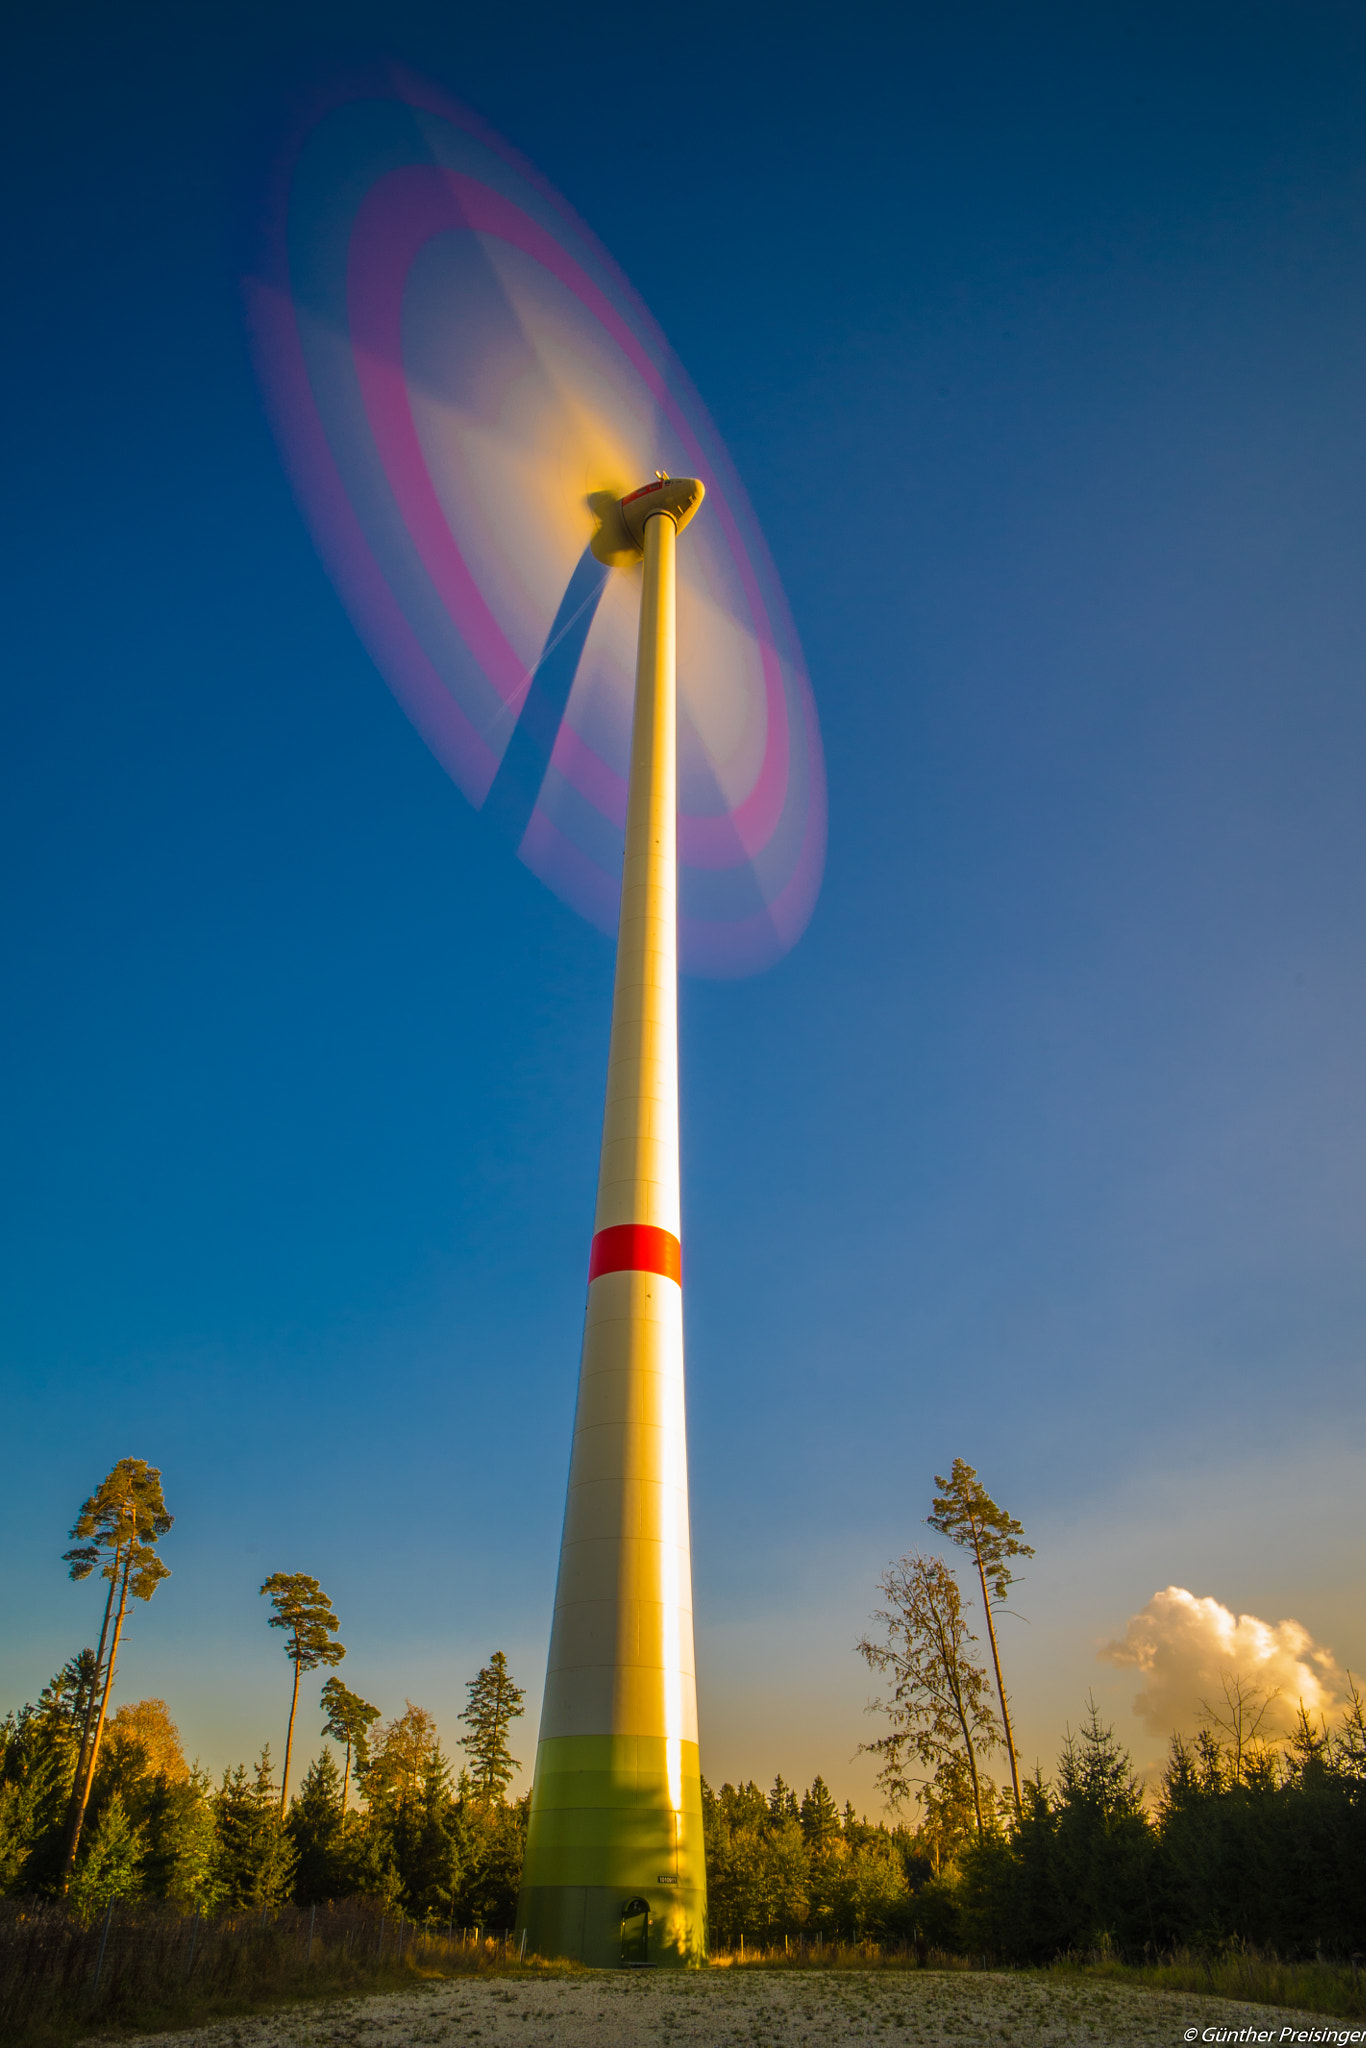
{"x":282,"y":346}
{"x":397,"y":218}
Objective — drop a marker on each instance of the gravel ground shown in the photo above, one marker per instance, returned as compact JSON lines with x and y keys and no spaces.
{"x":758,"y":2008}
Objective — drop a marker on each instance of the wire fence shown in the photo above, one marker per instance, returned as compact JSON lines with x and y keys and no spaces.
{"x":138,"y":1962}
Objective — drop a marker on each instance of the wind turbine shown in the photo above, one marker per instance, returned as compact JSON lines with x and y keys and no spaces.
{"x":467,"y":394}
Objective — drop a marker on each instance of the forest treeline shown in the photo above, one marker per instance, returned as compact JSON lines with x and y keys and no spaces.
{"x":98,"y":1808}
{"x":422,"y":1837}
{"x":1272,"y":1853}
{"x":1245,"y":1839}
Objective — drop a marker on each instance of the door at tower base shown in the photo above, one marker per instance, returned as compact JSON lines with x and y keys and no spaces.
{"x":605,"y":1833}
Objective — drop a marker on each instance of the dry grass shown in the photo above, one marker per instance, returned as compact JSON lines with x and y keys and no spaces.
{"x":1241,"y":1973}
{"x":338,"y":1980}
{"x":1328,"y":1988}
{"x":157,"y":1969}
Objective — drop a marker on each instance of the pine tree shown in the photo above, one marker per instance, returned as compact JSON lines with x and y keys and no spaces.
{"x":966,"y":1513}
{"x":495,"y":1702}
{"x":349,"y":1719}
{"x":304,"y":1611}
{"x":121,"y":1523}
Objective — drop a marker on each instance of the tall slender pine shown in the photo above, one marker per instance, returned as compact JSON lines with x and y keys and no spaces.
{"x":966,"y":1513}
{"x":304,"y":1611}
{"x":118,"y":1530}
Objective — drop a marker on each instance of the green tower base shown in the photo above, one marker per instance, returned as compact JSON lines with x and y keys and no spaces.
{"x":606,"y":1848}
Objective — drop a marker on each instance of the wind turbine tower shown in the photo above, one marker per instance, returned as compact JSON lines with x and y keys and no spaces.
{"x":614,"y":1864}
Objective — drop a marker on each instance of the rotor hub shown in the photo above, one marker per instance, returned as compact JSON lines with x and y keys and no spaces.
{"x":620,"y":538}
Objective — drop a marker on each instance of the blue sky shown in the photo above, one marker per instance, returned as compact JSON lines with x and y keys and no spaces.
{"x":1038,"y":343}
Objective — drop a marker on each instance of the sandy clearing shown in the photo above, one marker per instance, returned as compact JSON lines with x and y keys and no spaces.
{"x":801,"y":2009}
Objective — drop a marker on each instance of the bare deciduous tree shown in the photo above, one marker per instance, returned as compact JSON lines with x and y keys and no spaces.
{"x":1239,"y":1716}
{"x":940,"y":1704}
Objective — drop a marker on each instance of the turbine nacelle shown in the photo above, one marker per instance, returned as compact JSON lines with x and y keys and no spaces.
{"x":620,"y":537}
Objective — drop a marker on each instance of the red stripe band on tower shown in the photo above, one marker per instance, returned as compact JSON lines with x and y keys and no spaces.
{"x":636,"y":1248}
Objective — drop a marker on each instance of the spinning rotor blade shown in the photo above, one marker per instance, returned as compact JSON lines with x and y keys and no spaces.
{"x":459,"y":379}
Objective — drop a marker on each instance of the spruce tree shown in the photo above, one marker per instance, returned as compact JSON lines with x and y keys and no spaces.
{"x":432,"y":1863}
{"x":182,"y":1843}
{"x":111,"y":1867}
{"x":489,"y":1845}
{"x":38,"y":1752}
{"x":1104,"y":1840}
{"x":966,"y":1513}
{"x":254,"y":1863}
{"x":782,"y":1801}
{"x":304,"y":1612}
{"x":1349,"y":1740}
{"x":315,"y":1828}
{"x":819,"y":1815}
{"x":494,"y":1703}
{"x":413,"y":1829}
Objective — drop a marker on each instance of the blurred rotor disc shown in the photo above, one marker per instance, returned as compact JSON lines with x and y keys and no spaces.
{"x":456,"y":374}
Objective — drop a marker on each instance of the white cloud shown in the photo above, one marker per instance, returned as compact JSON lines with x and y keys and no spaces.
{"x":1186,"y":1647}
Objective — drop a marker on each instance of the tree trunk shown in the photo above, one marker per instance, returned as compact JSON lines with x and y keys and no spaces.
{"x":996,"y":1662}
{"x":972,"y":1763}
{"x":346,"y":1776}
{"x":289,"y":1741}
{"x":948,"y":1658}
{"x":73,"y":1821}
{"x":497,"y":1731}
{"x":104,"y":1709}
